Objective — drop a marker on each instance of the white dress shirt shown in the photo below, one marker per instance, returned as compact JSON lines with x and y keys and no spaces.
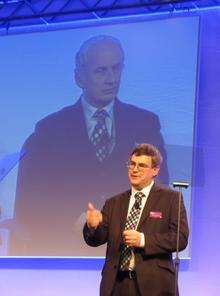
{"x":91,"y":122}
{"x":145,"y":191}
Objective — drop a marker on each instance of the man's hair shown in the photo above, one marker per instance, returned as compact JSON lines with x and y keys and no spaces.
{"x":81,"y":55}
{"x":149,"y":150}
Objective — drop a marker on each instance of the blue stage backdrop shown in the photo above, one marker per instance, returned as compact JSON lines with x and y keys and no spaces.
{"x":43,"y":204}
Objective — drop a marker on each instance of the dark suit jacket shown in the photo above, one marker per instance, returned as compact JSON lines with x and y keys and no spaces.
{"x":59,"y":174}
{"x":153,"y":263}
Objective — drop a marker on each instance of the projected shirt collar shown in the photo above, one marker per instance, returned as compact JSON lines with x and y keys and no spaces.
{"x":90,"y":110}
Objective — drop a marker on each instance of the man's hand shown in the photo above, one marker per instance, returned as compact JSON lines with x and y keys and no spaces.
{"x":132,"y":238}
{"x":93,"y":216}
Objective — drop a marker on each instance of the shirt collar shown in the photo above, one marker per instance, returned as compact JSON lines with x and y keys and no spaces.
{"x":90,"y":110}
{"x":146,"y":190}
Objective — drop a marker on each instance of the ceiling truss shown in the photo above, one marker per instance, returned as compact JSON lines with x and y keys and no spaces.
{"x":21,"y":14}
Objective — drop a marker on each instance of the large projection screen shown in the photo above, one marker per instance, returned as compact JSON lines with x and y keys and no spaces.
{"x":49,"y":170}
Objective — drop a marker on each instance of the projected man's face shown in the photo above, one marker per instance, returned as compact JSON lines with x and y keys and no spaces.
{"x":100,"y":79}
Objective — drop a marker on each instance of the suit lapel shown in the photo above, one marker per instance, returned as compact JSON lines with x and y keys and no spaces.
{"x":122,"y":123}
{"x":77,"y":127}
{"x":152,"y":200}
{"x":124,"y":209}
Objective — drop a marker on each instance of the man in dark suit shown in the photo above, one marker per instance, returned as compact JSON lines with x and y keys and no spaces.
{"x":140,"y":229}
{"x":78,"y":154}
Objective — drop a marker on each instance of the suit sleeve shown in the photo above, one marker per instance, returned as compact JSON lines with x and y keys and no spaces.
{"x":165,"y":242}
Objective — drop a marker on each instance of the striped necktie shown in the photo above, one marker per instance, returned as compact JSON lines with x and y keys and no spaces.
{"x":131,"y":223}
{"x":100,"y":137}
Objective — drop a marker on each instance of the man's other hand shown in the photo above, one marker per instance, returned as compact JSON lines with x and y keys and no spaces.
{"x":132,"y":238}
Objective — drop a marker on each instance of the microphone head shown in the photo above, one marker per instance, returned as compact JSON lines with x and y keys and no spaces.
{"x":180,"y":184}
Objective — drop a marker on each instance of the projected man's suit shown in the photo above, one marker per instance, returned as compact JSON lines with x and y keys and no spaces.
{"x":75,"y":156}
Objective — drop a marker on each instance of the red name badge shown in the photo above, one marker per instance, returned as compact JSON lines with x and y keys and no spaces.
{"x":156,"y":215}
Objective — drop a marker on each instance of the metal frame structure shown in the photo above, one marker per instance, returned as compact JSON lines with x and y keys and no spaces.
{"x":21,"y":14}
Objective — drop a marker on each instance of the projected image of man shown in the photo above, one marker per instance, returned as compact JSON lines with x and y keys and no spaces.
{"x":78,"y":154}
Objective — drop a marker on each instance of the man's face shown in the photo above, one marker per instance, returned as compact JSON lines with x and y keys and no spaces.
{"x":140,"y":171}
{"x":100,"y":78}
